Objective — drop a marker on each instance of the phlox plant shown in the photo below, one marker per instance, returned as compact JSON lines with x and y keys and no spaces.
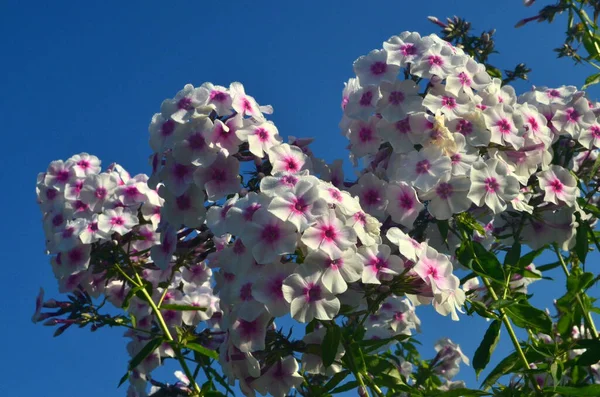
{"x":461,"y":184}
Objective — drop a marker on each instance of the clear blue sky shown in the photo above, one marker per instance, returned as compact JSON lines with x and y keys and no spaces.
{"x":87,"y":76}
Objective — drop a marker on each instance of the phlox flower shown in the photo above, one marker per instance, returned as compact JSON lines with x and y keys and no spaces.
{"x":559,"y":185}
{"x":441,"y":101}
{"x":379,"y":264}
{"x":405,"y":48}
{"x":72,"y":261}
{"x":218,"y":97}
{"x":590,"y":137}
{"x":97,"y":190}
{"x":473,"y":127}
{"x":177,"y":177}
{"x":269,"y":237}
{"x":403,"y":204}
{"x":260,"y":136}
{"x":448,"y":301}
{"x":448,"y":197}
{"x":301,"y":205}
{"x":401,"y":314}
{"x":202,"y":299}
{"x":435,"y":61}
{"x":398,"y":134}
{"x":187,"y":209}
{"x":119,"y":220}
{"x":492,"y":185}
{"x":185,"y":103}
{"x":308,"y":296}
{"x":85,"y":165}
{"x":59,"y":174}
{"x":91,"y":233}
{"x":313,"y":363}
{"x":342,"y":200}
{"x":193,"y":147}
{"x":466,"y":77}
{"x":338,"y":270}
{"x":268,"y":288}
{"x":151,"y":208}
{"x":374,"y":69}
{"x":398,"y":99}
{"x":220,"y":179}
{"x":249,"y":335}
{"x":371,"y":192}
{"x":435,"y":269}
{"x":133,"y":191}
{"x":362,"y":101}
{"x":216,"y":216}
{"x":366,"y":227}
{"x":422,"y":169}
{"x":163,"y":132}
{"x":409,"y":247}
{"x":448,"y":358}
{"x":330,"y":235}
{"x":288,"y":159}
{"x":280,"y":378}
{"x":462,"y":156}
{"x":574,"y":118}
{"x":245,"y":104}
{"x":162,"y":253}
{"x":276,"y":185}
{"x":364,"y":139}
{"x":502,"y":126}
{"x":223,"y":134}
{"x":242,"y":211}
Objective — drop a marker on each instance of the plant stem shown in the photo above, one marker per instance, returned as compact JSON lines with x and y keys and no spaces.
{"x":587,"y":318}
{"x":373,"y":386}
{"x":513,"y":336}
{"x":165,"y":329}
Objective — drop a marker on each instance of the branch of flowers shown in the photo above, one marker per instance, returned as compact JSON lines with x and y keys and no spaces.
{"x":589,"y":322}
{"x":167,"y":333}
{"x":513,"y":336}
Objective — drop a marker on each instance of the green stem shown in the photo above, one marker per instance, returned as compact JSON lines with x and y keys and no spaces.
{"x":172,"y":342}
{"x":361,"y":383}
{"x":513,"y":336}
{"x":587,"y":318}
{"x":373,"y":386}
{"x":589,"y":31}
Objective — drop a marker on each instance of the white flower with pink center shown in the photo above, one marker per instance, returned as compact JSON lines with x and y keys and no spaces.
{"x":288,"y":159}
{"x":249,"y":335}
{"x":72,"y":261}
{"x":572,"y":119}
{"x":371,"y":192}
{"x":216,"y":216}
{"x":202,"y":298}
{"x":422,"y":169}
{"x":463,"y":156}
{"x":435,"y":268}
{"x":193,"y":146}
{"x":440,"y":101}
{"x":280,"y":378}
{"x":220,"y":179}
{"x":409,"y":247}
{"x":465,"y":78}
{"x":223,"y":135}
{"x":535,"y":124}
{"x":177,"y":177}
{"x":91,"y":233}
{"x":151,"y":208}
{"x":406,"y":48}
{"x":502,"y":126}
{"x":242,"y":211}
{"x":163,"y":133}
{"x":449,"y":301}
{"x":308,"y":296}
{"x":269,"y":237}
{"x":268,"y":288}
{"x":403,"y":204}
{"x":218,"y":97}
{"x":97,"y":190}
{"x":398,"y":99}
{"x":398,"y":134}
{"x":276,"y":185}
{"x":374,"y":69}
{"x":119,"y":220}
{"x":342,"y":200}
{"x":162,"y":253}
{"x":301,"y":206}
{"x":187,"y":209}
{"x":330,"y":235}
{"x":133,"y":191}
{"x":590,"y":136}
{"x":379,"y":264}
{"x":559,"y":185}
{"x":448,"y":197}
{"x":362,"y":102}
{"x":85,"y":165}
{"x":338,"y":270}
{"x":245,"y":104}
{"x":59,"y":174}
{"x":492,"y":185}
{"x":185,"y":104}
{"x":366,"y":228}
{"x":260,"y":136}
{"x":473,"y":127}
{"x":364,"y":139}
{"x":436,"y":61}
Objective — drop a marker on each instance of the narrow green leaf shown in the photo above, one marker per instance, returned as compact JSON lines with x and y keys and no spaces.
{"x":486,"y":347}
{"x":458,"y":393}
{"x":345,"y":387}
{"x":330,"y":344}
{"x":335,"y":380}
{"x":124,"y":378}
{"x":581,"y":241}
{"x":585,"y":391}
{"x":487,"y":264}
{"x":590,"y":357}
{"x":202,"y":350}
{"x":528,"y":258}
{"x":509,"y":364}
{"x":513,"y":255}
{"x":591,"y":80}
{"x":526,"y":316}
{"x":182,"y":308}
{"x":145,"y":352}
{"x":595,"y":168}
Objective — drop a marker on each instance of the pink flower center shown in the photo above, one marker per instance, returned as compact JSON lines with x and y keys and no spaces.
{"x":83,"y":164}
{"x":448,"y":102}
{"x":464,"y":79}
{"x":444,"y":190}
{"x":312,"y":292}
{"x":553,"y":93}
{"x":262,"y":134}
{"x":246,"y":292}
{"x":595,"y":131}
{"x":218,"y":96}
{"x":465,"y":127}
{"x":491,"y":185}
{"x":328,"y":233}
{"x":291,"y":164}
{"x":366,"y":98}
{"x":63,"y":176}
{"x":100,"y":192}
{"x":299,"y":206}
{"x":185,"y":104}
{"x":435,"y":60}
{"x":167,"y":128}
{"x":197,"y":141}
{"x":275,"y":287}
{"x":396,"y":97}
{"x":455,"y":158}
{"x":405,"y":201}
{"x":371,"y":197}
{"x":403,"y":126}
{"x":572,"y":115}
{"x":248,"y":329}
{"x":504,"y":126}
{"x":423,"y":167}
{"x":533,"y":123}
{"x":270,"y":234}
{"x":556,"y":186}
{"x":378,"y":68}
{"x":117,"y":221}
{"x":289,"y":180}
{"x":335,"y":264}
{"x":408,"y":49}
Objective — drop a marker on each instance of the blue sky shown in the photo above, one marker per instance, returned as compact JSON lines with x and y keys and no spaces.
{"x":87,"y":76}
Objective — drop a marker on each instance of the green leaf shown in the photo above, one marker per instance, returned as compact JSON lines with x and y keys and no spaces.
{"x":330,"y":344}
{"x":513,"y":255}
{"x":509,"y":364}
{"x":335,"y":380}
{"x":528,"y":258}
{"x":548,"y":266}
{"x":124,"y":378}
{"x":591,"y":80}
{"x":581,"y":241}
{"x":145,"y":352}
{"x":595,"y":168}
{"x":587,"y":207}
{"x":182,"y":308}
{"x":585,"y":391}
{"x":202,"y":350}
{"x":493,"y":71}
{"x":526,"y":316}
{"x":487,"y":264}
{"x":458,"y":393}
{"x":443,"y":228}
{"x":487,"y":346}
{"x":345,"y":387}
{"x":591,"y":355}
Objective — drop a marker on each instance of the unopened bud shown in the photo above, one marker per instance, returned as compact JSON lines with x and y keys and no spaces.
{"x":362,"y":391}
